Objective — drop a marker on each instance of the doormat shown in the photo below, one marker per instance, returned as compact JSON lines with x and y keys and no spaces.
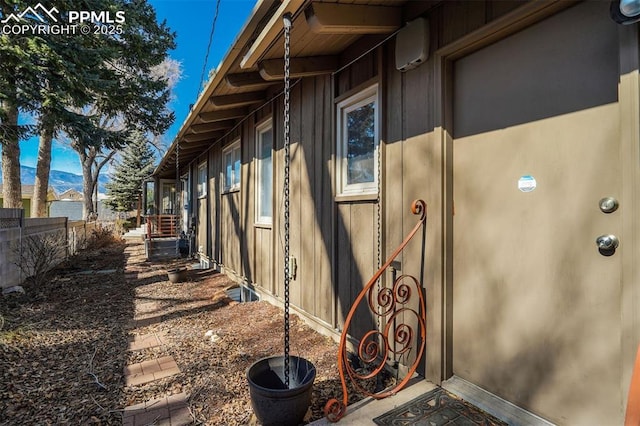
{"x":436,"y":408}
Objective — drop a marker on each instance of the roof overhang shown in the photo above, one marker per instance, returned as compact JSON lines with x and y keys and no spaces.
{"x":167,"y":163}
{"x":251,"y":73}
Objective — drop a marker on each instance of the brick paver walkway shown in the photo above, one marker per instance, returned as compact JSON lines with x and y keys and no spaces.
{"x":145,"y":341}
{"x":172,"y":410}
{"x":148,"y":371}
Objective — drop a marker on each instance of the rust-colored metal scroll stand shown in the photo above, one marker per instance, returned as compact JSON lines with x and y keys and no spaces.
{"x":376,"y":346}
{"x":632,"y":417}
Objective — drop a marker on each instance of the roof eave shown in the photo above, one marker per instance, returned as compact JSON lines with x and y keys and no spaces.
{"x":261,"y":8}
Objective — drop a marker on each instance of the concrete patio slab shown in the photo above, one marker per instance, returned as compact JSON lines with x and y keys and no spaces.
{"x":363,"y":412}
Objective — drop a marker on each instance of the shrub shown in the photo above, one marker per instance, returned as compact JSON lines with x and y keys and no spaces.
{"x":101,"y":237}
{"x":38,"y":254}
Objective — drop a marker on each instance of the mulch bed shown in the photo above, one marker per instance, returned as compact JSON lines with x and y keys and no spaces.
{"x":63,"y":345}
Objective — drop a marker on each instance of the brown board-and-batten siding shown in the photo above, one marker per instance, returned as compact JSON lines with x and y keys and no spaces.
{"x":201,"y":211}
{"x":410,"y":170}
{"x":334,"y":240}
{"x":259,"y":253}
{"x":311,"y":198}
{"x":255,"y":252}
{"x":411,"y":164}
{"x":232,"y":214}
{"x":357,"y":218}
{"x":213,"y":195}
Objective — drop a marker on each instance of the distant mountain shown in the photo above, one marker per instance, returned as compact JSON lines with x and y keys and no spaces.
{"x":59,"y":180}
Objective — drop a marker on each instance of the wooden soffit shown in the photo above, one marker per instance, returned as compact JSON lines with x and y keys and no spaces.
{"x":269,"y":33}
{"x":273,"y":69}
{"x":242,"y":80}
{"x":237,"y":100}
{"x":224,"y":114}
{"x":212,"y":127}
{"x":193,"y":148}
{"x":336,"y":18}
{"x":202,"y":137}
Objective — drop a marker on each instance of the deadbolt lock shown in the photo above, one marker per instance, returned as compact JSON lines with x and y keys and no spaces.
{"x":608,"y":205}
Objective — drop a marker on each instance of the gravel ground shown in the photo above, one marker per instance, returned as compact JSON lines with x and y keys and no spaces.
{"x":63,"y":346}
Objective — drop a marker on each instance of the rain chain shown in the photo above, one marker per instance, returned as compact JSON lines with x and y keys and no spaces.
{"x":175,"y":199}
{"x":287,"y":20}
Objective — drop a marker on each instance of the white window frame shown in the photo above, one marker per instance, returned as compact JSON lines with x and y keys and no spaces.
{"x":261,"y":129}
{"x":186,"y":197}
{"x":231,"y":151}
{"x":364,"y":97}
{"x":202,"y":184}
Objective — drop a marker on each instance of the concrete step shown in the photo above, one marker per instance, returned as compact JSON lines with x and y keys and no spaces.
{"x":137,"y":233}
{"x":128,"y":236}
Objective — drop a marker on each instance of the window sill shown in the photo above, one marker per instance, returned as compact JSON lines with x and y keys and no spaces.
{"x":263,"y":225}
{"x":230,"y":191}
{"x":349,"y":198}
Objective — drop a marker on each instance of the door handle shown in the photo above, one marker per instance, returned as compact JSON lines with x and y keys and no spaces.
{"x":607,"y":243}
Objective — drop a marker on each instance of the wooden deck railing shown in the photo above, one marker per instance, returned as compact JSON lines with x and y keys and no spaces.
{"x":400,"y":332}
{"x":162,"y":225}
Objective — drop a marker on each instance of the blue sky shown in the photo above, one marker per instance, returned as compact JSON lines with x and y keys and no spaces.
{"x":191,"y":20}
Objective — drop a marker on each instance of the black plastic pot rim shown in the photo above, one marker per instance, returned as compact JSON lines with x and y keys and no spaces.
{"x":291,"y":390}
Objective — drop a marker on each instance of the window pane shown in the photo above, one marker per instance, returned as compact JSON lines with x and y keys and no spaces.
{"x":202,"y":181}
{"x":266,"y":174}
{"x":266,"y":142}
{"x":360,"y":144}
{"x":228,"y":175}
{"x":236,"y":167}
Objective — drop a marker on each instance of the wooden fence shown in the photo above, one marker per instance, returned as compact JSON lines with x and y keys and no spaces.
{"x":78,"y":233}
{"x":15,"y":229}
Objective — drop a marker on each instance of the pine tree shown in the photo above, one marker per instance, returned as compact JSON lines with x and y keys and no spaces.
{"x":59,"y":78}
{"x":135,"y":166}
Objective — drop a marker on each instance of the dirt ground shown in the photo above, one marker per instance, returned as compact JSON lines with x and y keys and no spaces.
{"x":64,"y":345}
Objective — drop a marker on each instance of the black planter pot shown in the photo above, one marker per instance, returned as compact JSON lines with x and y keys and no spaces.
{"x":272,"y":402}
{"x":177,"y":275}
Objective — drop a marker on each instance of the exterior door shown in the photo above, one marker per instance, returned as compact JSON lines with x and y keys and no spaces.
{"x":201,"y":210}
{"x":185,"y":196}
{"x":536,"y":306}
{"x":167,"y":197}
{"x":202,"y":226}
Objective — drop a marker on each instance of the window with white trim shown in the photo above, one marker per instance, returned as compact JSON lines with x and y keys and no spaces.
{"x":231,"y":171}
{"x":202,"y":180}
{"x":264,"y":173}
{"x":358,"y":143}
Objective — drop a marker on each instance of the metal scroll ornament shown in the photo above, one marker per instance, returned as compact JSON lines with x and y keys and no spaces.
{"x":404,"y":331}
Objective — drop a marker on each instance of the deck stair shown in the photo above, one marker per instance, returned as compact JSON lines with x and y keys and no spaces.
{"x":161,"y":248}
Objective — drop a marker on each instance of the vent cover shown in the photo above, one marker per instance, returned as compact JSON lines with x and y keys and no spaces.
{"x":412,"y":44}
